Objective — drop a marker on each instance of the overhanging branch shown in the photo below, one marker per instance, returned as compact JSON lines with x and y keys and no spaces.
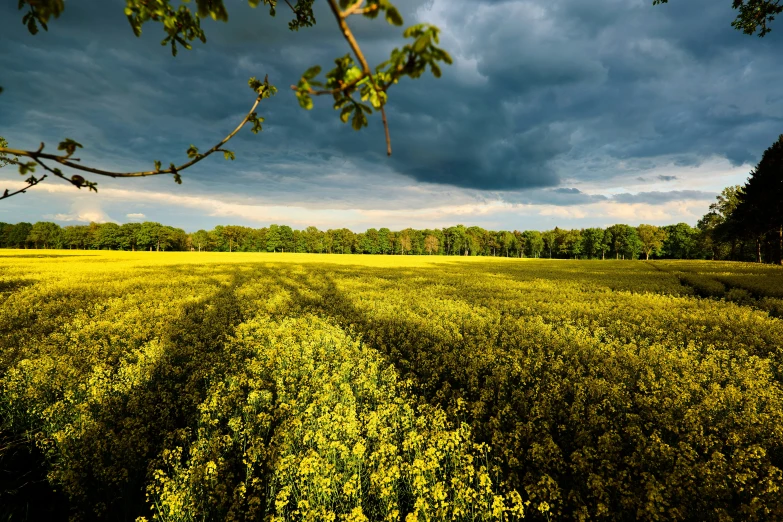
{"x":264,"y":90}
{"x":67,"y":161}
{"x":357,"y":51}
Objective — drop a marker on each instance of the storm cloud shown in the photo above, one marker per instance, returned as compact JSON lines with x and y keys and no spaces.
{"x":549,"y":102}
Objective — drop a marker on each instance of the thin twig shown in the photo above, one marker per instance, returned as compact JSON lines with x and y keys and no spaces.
{"x":386,"y":130}
{"x":348,"y":35}
{"x":356,"y":9}
{"x":55,"y":172}
{"x":367,"y":10}
{"x":352,"y":9}
{"x":30,"y":184}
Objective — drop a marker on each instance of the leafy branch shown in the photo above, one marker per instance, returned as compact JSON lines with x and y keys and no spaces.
{"x":31,"y":182}
{"x":347,"y":78}
{"x":754,"y":15}
{"x":68,"y":146}
{"x":5,"y":161}
{"x":182,"y":26}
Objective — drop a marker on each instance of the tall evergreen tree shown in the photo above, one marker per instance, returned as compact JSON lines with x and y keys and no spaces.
{"x":760,"y":208}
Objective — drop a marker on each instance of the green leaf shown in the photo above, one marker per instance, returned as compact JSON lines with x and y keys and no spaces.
{"x":31,"y":25}
{"x":69,"y":146}
{"x":346,"y":113}
{"x":254,"y":84}
{"x":393,"y":16}
{"x":359,"y":120}
{"x":256,"y":120}
{"x":192,"y":152}
{"x":305,"y":100}
{"x":413,"y":30}
{"x":183,"y":43}
{"x":421,"y":43}
{"x":157,"y":166}
{"x":446,"y":57}
{"x":265,"y":89}
{"x":24,"y":168}
{"x":312,"y":72}
{"x":352,"y":74}
{"x":229,"y":155}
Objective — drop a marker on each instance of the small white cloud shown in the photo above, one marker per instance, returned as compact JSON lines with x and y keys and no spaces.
{"x":135,"y":215}
{"x":82,"y":210}
{"x":88,"y":216}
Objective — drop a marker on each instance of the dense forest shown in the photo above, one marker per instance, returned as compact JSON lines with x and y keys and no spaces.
{"x":621,"y":241}
{"x":720,"y":234}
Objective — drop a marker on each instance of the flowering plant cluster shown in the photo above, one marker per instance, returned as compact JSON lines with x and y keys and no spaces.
{"x":284,"y":387}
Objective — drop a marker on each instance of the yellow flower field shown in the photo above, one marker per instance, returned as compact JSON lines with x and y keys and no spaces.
{"x":243,"y":386}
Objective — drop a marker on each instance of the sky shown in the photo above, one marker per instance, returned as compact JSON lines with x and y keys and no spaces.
{"x":569,"y":113}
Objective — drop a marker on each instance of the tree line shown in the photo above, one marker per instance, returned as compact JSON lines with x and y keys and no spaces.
{"x":617,"y":241}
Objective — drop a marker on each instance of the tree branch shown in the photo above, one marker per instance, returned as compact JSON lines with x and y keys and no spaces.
{"x":357,"y":9}
{"x":348,"y":35}
{"x":31,"y":182}
{"x":66,"y":160}
{"x":57,"y":172}
{"x":386,"y":130}
{"x":346,"y":87}
{"x":292,"y":7}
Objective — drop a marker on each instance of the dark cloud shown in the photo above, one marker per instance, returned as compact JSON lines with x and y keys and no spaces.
{"x":667,"y":178}
{"x":541,"y":91}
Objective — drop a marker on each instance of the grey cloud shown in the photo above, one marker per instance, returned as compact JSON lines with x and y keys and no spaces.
{"x":559,"y":197}
{"x":667,"y":178}
{"x":658,"y":198}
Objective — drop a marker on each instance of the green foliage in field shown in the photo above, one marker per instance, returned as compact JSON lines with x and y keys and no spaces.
{"x":744,"y":283}
{"x":234,"y":387}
